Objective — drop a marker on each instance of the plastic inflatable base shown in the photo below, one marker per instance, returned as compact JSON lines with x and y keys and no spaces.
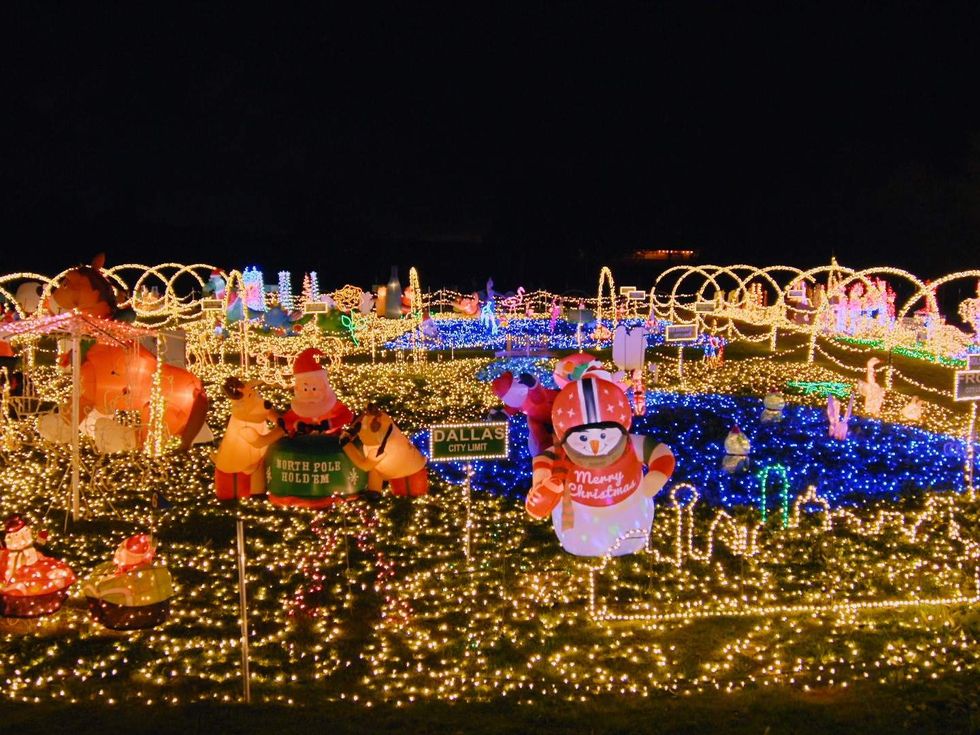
{"x":31,"y":606}
{"x":123,"y":617}
{"x":298,"y":502}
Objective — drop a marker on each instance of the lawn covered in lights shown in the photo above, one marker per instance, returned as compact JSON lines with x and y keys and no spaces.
{"x":374,"y":601}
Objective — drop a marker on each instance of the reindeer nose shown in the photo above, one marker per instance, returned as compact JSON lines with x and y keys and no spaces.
{"x":594,"y":443}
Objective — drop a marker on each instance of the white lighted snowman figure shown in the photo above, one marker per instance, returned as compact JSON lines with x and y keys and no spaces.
{"x":592,"y":481}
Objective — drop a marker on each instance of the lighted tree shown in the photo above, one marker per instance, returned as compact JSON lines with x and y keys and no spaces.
{"x":307,"y":294}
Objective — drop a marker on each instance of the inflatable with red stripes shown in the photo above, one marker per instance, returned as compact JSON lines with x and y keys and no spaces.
{"x":598,"y":481}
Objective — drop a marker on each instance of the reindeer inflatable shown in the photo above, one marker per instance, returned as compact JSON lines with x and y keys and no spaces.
{"x":374,"y":444}
{"x":239,"y":463}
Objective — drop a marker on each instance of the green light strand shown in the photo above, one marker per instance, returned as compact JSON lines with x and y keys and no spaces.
{"x":763,"y":476}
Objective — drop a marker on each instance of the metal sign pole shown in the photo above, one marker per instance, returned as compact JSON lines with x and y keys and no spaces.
{"x":468,"y":502}
{"x":968,"y":468}
{"x":966,"y":387}
{"x":243,"y":607}
{"x":76,"y":376}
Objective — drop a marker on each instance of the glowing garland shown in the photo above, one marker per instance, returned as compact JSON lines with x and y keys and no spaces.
{"x":820,"y":388}
{"x":744,"y":541}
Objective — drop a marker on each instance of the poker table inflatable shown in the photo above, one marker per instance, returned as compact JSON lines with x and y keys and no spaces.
{"x":311,"y":471}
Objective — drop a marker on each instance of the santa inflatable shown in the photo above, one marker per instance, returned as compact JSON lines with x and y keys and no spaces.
{"x":31,"y":583}
{"x":592,"y":481}
{"x":130,"y":592}
{"x":315,"y":407}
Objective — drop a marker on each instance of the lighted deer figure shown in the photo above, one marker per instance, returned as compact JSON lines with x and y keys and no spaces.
{"x":837,"y":427}
{"x":874,"y":394}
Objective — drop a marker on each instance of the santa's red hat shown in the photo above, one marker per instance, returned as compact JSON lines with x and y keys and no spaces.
{"x":135,"y":551}
{"x":306,"y":361}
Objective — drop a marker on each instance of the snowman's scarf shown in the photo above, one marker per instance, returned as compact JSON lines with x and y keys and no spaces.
{"x":567,"y":509}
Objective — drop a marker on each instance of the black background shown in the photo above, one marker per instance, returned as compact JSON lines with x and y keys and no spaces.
{"x":531,"y":144}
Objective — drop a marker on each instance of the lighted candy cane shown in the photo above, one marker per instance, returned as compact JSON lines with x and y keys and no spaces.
{"x":763,"y":476}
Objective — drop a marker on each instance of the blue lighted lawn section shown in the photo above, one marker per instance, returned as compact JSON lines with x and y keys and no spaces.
{"x":462,"y":334}
{"x":877,"y":461}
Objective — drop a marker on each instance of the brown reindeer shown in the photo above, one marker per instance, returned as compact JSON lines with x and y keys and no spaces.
{"x":376,"y":445}
{"x":239,"y":463}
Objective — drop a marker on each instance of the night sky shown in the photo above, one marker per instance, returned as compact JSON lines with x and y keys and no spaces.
{"x":531,"y":145}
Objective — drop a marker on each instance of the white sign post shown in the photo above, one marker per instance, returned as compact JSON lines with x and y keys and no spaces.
{"x":243,"y":606}
{"x":465,"y":443}
{"x":680,"y":334}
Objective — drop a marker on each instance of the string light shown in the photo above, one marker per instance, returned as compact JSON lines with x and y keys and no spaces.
{"x":377,"y":600}
{"x":286,"y":290}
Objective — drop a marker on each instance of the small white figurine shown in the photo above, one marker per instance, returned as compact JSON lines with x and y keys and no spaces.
{"x":874,"y":394}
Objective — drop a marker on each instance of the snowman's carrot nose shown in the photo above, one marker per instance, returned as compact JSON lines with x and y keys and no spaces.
{"x":594,"y":443}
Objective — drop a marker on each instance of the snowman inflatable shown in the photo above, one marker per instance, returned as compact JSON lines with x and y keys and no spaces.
{"x":592,"y":482}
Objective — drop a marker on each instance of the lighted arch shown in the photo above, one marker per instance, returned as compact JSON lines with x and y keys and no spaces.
{"x":605,"y":275}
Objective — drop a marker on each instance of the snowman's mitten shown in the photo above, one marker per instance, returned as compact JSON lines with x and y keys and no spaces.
{"x":543,"y":498}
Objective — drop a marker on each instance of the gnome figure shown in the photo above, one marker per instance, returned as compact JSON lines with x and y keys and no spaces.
{"x":24,"y":571}
{"x":134,"y":553}
{"x":591,"y":481}
{"x":315,"y":407}
{"x":772,"y":407}
{"x":737,"y":451}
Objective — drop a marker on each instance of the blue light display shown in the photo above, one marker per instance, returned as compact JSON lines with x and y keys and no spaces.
{"x":878,"y":460}
{"x":470,"y":334}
